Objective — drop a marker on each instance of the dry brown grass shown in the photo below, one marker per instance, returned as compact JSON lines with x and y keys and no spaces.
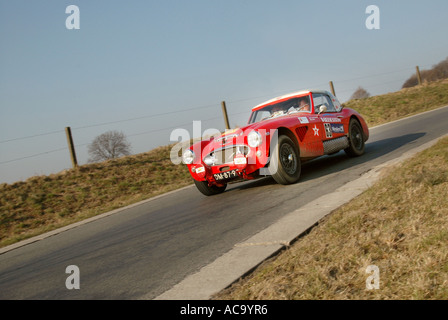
{"x":399,"y":225}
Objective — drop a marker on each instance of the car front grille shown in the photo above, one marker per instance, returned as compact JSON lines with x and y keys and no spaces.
{"x":225,"y":155}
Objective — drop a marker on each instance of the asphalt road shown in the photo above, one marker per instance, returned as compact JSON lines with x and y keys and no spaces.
{"x":147,"y":249}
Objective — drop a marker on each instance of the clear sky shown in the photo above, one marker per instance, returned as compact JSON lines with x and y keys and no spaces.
{"x":147,"y":67}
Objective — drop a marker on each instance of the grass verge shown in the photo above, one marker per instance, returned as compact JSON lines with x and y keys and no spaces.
{"x":45,"y":203}
{"x":399,"y":225}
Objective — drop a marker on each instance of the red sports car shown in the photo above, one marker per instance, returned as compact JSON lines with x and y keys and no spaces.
{"x":280,"y":135}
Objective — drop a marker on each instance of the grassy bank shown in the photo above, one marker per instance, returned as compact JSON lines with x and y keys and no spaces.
{"x":45,"y":203}
{"x":400,"y":225}
{"x":395,"y":105}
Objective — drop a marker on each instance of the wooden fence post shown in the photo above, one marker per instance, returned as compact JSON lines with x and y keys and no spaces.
{"x":224,"y":112}
{"x":332,"y":88}
{"x":419,"y":77}
{"x":71,"y":147}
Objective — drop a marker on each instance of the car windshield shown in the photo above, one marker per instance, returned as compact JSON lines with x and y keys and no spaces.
{"x":293,"y":105}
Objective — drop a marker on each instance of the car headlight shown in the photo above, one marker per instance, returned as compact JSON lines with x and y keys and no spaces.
{"x":210,"y":160}
{"x":188,"y":157}
{"x":254,"y":139}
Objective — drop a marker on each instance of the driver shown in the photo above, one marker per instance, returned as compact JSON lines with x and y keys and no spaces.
{"x":304,"y":105}
{"x":276,"y":108}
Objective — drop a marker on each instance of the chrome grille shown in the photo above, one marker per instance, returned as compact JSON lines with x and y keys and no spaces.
{"x":226,"y":155}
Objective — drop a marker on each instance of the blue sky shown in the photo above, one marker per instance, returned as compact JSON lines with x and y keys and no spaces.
{"x":146,"y":67}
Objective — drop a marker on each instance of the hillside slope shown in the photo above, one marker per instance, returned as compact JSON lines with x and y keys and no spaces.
{"x":44,"y":203}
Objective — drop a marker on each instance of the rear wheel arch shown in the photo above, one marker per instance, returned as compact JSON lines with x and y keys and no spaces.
{"x":354,"y":117}
{"x":357,"y":142}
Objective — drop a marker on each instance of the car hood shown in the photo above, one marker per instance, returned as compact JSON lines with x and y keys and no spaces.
{"x":239,"y":135}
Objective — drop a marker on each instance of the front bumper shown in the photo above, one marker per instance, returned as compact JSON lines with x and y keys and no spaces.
{"x":246,"y":166}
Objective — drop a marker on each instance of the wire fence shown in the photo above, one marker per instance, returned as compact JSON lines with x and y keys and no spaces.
{"x":197,"y":108}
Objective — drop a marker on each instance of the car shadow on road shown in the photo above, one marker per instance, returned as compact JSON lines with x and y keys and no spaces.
{"x":326,"y":165}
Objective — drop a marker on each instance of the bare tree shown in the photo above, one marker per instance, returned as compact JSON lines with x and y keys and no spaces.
{"x":360,"y":93}
{"x":109,"y":145}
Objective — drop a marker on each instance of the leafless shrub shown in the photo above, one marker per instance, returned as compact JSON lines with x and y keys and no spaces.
{"x":360,"y":93}
{"x":109,"y":145}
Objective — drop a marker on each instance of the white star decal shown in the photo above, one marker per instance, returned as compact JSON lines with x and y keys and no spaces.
{"x":316,"y":130}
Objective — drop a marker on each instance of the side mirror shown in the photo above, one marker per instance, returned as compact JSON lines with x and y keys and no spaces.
{"x":322,"y":109}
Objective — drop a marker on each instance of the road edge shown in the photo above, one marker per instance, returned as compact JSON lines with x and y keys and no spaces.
{"x":82,"y":222}
{"x":103,"y":215}
{"x":246,"y":256}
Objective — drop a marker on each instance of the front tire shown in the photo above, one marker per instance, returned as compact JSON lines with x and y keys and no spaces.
{"x":356,"y":139}
{"x":207,"y":190}
{"x":285,"y":165}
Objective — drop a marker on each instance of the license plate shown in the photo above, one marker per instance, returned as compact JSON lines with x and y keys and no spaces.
{"x":226,"y":175}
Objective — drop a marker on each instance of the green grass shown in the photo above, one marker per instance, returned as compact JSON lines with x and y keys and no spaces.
{"x":44,"y":203}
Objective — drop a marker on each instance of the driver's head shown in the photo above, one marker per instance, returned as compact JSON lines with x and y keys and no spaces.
{"x":276,"y":109}
{"x":304,"y":104}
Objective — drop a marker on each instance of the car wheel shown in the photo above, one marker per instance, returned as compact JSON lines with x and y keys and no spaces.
{"x":285,"y":165}
{"x":207,"y":190}
{"x":356,"y":139}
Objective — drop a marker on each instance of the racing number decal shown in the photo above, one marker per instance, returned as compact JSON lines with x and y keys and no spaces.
{"x":328,"y":132}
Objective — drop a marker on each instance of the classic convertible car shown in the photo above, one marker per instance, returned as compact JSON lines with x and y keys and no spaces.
{"x":280,"y":135}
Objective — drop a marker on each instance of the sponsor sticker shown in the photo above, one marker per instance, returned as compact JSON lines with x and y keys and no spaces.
{"x":200,"y":169}
{"x":331,"y":119}
{"x":239,"y":160}
{"x":337,"y":128}
{"x":303,"y":120}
